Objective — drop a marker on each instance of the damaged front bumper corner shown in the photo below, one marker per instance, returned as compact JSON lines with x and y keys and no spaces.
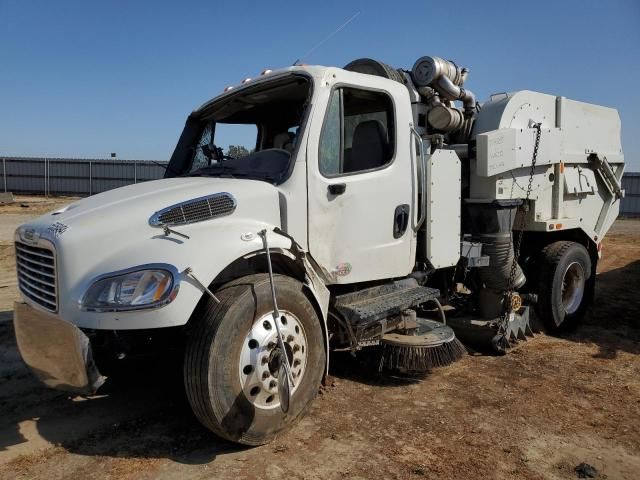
{"x":56,"y":351}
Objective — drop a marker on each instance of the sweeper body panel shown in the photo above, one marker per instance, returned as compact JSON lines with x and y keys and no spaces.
{"x":575,"y":139}
{"x":365,"y":200}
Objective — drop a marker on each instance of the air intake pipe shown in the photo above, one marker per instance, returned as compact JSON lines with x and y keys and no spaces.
{"x":447,"y":89}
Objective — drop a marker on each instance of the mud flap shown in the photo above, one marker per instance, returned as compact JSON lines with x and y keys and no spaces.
{"x":56,"y":351}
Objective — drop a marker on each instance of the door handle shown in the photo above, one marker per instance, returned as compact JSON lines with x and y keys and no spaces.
{"x":400,"y":220}
{"x":337,"y":188}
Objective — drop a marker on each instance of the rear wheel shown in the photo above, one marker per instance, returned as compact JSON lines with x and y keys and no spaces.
{"x":232,"y":358}
{"x":565,"y":284}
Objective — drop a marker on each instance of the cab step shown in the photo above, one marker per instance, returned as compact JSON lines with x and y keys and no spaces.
{"x":368,"y":311}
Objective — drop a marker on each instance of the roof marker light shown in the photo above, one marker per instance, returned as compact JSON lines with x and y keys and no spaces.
{"x":266,"y":71}
{"x":246,"y":80}
{"x":226,"y":89}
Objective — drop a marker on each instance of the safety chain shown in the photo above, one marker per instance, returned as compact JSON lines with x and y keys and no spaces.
{"x":504,"y":321}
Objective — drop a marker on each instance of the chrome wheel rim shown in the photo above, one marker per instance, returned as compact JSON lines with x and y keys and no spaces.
{"x":573,"y":283}
{"x":259,"y":358}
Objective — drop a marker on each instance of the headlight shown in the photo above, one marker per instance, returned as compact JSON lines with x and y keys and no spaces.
{"x":131,"y":290}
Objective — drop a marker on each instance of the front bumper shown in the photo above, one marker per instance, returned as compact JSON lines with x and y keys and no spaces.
{"x":56,"y":351}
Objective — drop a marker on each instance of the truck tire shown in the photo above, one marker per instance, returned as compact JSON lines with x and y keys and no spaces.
{"x":374,"y":67}
{"x":230,"y":371}
{"x":565,"y":284}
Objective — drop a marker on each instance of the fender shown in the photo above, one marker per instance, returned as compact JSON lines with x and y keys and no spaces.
{"x":321,"y":295}
{"x":316,"y":287}
{"x":305,"y":270}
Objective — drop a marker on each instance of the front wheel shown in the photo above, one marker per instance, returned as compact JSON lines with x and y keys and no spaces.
{"x":565,"y":284}
{"x":232,"y":358}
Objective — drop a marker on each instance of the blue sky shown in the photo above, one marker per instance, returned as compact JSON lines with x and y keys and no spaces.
{"x":86,"y":78}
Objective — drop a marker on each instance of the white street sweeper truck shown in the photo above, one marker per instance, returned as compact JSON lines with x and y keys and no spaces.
{"x":377,"y":210}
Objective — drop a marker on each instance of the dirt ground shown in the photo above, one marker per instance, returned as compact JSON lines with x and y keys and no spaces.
{"x":536,"y":413}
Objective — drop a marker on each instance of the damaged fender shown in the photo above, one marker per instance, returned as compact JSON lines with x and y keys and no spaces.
{"x":315,"y":284}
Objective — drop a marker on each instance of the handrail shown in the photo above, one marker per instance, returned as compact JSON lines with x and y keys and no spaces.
{"x":422,"y":171}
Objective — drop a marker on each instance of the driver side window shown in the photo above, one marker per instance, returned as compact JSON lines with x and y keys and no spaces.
{"x":358,"y":133}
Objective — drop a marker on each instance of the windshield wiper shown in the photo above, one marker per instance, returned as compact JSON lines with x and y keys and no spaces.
{"x":213,"y":152}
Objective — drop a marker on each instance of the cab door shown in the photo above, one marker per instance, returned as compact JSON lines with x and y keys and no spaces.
{"x":360,"y":179}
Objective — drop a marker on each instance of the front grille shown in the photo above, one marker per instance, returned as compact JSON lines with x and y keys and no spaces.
{"x":196,"y":210}
{"x":36,"y":268}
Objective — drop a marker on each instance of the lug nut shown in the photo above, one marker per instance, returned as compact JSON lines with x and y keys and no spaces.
{"x":296,"y":348}
{"x":265,"y":375}
{"x":264,"y":360}
{"x":290,"y":338}
{"x":272,"y":384}
{"x":271,"y":346}
{"x":296,"y":362}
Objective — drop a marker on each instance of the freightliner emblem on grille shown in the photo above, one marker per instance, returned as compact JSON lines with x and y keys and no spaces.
{"x":29,"y":235}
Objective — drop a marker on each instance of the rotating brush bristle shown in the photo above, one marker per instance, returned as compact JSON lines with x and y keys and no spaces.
{"x":432,"y":345}
{"x":420,"y":359}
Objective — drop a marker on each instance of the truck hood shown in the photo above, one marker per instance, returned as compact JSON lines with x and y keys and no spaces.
{"x":118,"y":210}
{"x":110,"y":232}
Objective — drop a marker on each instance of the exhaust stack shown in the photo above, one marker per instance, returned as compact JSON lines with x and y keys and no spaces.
{"x":441,"y":82}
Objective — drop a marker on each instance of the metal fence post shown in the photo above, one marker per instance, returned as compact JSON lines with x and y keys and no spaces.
{"x":90,"y":177}
{"x":135,"y":171}
{"x":45,"y":178}
{"x":4,"y":172}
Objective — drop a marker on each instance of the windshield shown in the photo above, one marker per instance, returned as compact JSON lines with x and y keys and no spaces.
{"x":252,"y":134}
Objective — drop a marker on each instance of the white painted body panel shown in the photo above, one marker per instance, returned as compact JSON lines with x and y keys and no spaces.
{"x":443,"y":208}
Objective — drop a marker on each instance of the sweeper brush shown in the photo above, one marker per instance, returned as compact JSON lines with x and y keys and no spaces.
{"x":431,"y":344}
